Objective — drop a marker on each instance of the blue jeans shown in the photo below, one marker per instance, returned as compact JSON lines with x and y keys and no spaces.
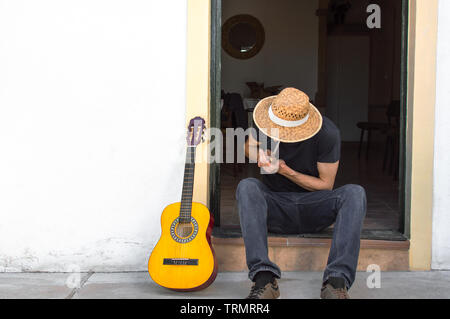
{"x":261,"y":210}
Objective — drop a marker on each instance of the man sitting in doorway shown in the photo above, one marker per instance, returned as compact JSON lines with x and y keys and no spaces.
{"x":296,"y":194}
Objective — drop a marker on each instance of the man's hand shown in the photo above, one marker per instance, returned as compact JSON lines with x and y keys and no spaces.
{"x":284,"y":169}
{"x":271,"y":165}
{"x":267,"y":163}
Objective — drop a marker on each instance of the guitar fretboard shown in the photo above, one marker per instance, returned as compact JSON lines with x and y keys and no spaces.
{"x":188,"y":186}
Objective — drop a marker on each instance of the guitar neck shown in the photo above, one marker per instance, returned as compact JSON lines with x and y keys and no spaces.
{"x":188,"y":186}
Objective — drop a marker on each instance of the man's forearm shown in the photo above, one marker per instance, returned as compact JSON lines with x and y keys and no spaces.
{"x":307,"y":182}
{"x":251,"y":152}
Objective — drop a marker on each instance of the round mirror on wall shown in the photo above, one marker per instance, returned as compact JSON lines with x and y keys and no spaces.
{"x":242,"y":36}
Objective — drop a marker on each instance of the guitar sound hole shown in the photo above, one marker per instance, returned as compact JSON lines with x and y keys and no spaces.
{"x":184,"y":230}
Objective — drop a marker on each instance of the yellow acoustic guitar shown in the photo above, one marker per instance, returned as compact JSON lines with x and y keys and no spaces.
{"x":183,"y":259}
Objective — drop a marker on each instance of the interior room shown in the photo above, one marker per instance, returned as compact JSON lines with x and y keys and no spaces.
{"x":351,"y":73}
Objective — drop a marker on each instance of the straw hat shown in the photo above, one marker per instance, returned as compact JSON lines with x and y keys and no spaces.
{"x":291,"y":113}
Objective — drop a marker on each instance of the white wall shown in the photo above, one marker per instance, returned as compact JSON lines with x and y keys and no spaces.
{"x":289,"y":56}
{"x":441,"y":200}
{"x":91,"y":94}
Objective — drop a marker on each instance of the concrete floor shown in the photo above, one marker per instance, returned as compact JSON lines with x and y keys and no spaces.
{"x":296,"y":285}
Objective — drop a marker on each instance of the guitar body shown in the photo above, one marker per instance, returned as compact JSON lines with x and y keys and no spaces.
{"x":183,"y":259}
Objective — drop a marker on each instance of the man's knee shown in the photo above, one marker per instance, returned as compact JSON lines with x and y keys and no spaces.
{"x":356,"y":195}
{"x":354,"y":191}
{"x":247,"y":187}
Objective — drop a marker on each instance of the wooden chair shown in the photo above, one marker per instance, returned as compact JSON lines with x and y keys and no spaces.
{"x":369,"y":127}
{"x":388,"y":128}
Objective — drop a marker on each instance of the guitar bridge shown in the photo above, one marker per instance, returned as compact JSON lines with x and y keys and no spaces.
{"x":180,"y":261}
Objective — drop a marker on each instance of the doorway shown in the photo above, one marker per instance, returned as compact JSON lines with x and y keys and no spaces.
{"x":354,"y":75}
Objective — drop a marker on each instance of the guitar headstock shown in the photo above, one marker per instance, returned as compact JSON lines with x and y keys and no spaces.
{"x":195,"y":131}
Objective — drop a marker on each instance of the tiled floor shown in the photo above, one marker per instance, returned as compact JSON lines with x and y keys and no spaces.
{"x":381,"y":189}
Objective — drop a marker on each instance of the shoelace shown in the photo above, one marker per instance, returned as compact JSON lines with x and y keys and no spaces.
{"x":342,"y":293}
{"x":255,"y":292}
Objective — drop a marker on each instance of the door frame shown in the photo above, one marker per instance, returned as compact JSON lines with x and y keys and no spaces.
{"x":215,"y":96}
{"x":404,"y":194}
{"x":405,"y":129}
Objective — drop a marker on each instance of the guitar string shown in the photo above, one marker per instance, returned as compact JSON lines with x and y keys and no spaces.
{"x":187,"y":188}
{"x":183,"y":200}
{"x":190,"y":189}
{"x":181,"y":215}
{"x":186,"y":203}
{"x":178,"y":227}
{"x":183,"y":203}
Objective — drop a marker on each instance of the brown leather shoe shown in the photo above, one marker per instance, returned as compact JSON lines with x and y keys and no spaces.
{"x":334,"y":288}
{"x":269,"y":291}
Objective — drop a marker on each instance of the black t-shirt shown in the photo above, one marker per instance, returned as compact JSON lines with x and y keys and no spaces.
{"x":324,"y":147}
